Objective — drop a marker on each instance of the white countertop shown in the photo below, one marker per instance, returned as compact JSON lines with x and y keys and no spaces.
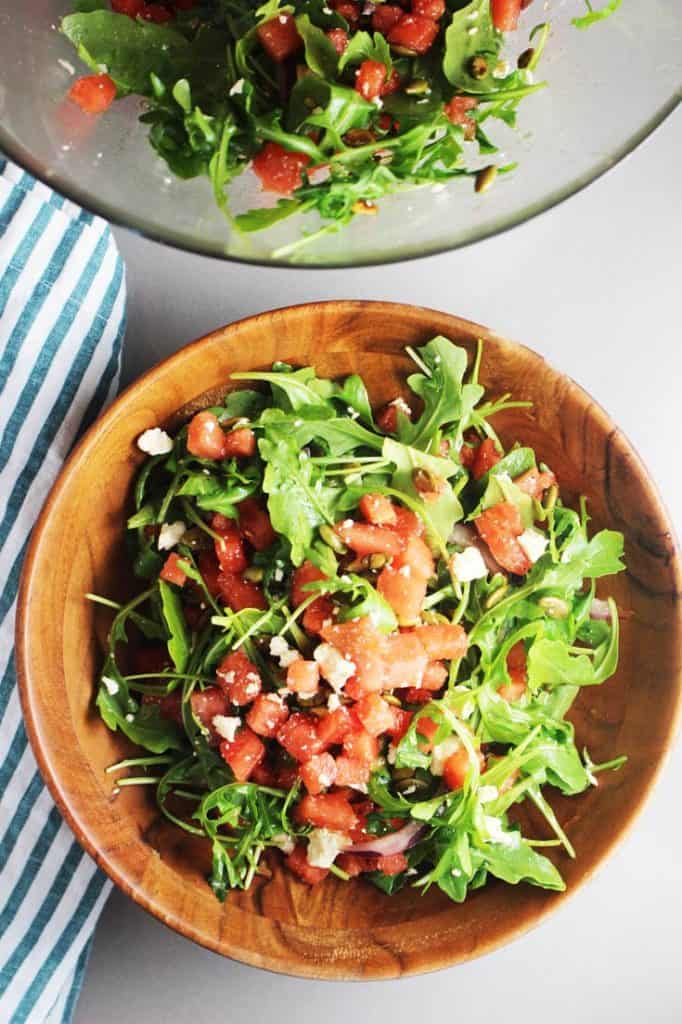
{"x":596,"y":287}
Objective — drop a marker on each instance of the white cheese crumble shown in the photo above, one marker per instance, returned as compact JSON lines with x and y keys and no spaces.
{"x":496,"y":833}
{"x":170,"y":534}
{"x":333,"y":702}
{"x":533,"y":544}
{"x":441,"y":752}
{"x":336,"y":669}
{"x":226,"y":726}
{"x":283,"y":842}
{"x":401,"y":404}
{"x":486,"y":794}
{"x":324,"y":846}
{"x":280,"y":649}
{"x":238,"y":87}
{"x":468,"y":565}
{"x":111,"y":685}
{"x":155,"y":441}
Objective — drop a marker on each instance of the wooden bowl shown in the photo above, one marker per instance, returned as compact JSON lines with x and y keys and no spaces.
{"x":337,"y":930}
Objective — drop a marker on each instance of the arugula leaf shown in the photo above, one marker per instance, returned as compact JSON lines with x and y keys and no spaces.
{"x":142,"y":724}
{"x":593,"y":16}
{"x":471,"y":34}
{"x":132,"y":51}
{"x":265,"y":217}
{"x":445,"y":397}
{"x":582,"y":559}
{"x":297,"y":503}
{"x":516,"y":861}
{"x":551,"y":664}
{"x":446,"y":509}
{"x":171,"y":606}
{"x":320,"y":55}
{"x":362,"y":46}
{"x":365,"y":601}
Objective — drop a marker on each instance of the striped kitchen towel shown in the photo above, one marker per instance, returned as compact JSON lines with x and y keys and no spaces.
{"x":62,"y":313}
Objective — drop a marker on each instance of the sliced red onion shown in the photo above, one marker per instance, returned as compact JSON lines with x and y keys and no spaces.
{"x":600,"y":610}
{"x":467,"y":537}
{"x":394,"y":842}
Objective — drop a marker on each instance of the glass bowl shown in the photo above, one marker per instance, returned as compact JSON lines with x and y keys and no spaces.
{"x":608,"y":87}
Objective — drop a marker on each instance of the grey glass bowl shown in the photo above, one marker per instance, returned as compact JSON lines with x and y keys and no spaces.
{"x":608,"y":87}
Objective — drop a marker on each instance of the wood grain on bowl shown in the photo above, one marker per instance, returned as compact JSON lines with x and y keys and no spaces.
{"x":337,"y":930}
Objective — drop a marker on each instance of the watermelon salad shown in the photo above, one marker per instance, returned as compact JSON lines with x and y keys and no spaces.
{"x":357,"y":633}
{"x":333,"y":104}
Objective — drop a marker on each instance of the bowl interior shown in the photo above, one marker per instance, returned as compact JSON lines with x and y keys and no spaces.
{"x":337,"y":930}
{"x":608,"y":87}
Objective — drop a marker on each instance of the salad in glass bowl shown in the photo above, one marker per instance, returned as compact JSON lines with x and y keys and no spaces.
{"x":359,"y":633}
{"x":334,"y":105}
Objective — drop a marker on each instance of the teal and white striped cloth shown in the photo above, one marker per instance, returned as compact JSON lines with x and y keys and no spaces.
{"x":62,"y":315}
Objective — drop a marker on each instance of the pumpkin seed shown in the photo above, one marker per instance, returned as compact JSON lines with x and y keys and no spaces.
{"x":555,"y":607}
{"x":417,"y":87}
{"x":254,"y":573}
{"x":478,"y":67}
{"x":332,"y":538}
{"x":485,"y":177}
{"x":496,"y":596}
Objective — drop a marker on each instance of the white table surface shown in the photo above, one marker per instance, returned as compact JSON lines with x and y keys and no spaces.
{"x":596,"y":287}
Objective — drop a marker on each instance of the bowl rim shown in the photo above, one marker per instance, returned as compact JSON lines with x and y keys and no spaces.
{"x":116,"y":217}
{"x":78,"y":823}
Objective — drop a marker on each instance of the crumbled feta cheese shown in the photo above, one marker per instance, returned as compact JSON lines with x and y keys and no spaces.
{"x":228,"y":678}
{"x":252,"y":689}
{"x":324,"y":846}
{"x":347,"y":523}
{"x":359,"y":787}
{"x":155,"y":442}
{"x":238,"y":87}
{"x":456,"y":873}
{"x":496,"y":833}
{"x":468,"y":565}
{"x":486,"y":794}
{"x":441,"y":752}
{"x":333,"y":702}
{"x":280,"y":649}
{"x":283,"y":842}
{"x":131,"y":718}
{"x":226,"y":726}
{"x":111,"y":685}
{"x":170,"y":534}
{"x":336,"y":669}
{"x":401,"y":404}
{"x":282,"y":19}
{"x":278,"y":645}
{"x":533,"y":544}
{"x":289,"y":658}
